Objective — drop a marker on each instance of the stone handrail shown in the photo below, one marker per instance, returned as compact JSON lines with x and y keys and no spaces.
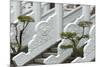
{"x":47,"y":14}
{"x":92,"y":19}
{"x":72,"y":15}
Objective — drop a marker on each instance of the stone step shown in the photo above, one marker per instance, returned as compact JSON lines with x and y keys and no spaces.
{"x":39,"y":60}
{"x":68,"y":60}
{"x":45,"y":55}
{"x":56,"y":44}
{"x":53,"y":49}
{"x":34,"y":64}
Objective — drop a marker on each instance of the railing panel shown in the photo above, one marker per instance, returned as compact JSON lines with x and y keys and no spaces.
{"x":42,"y":40}
{"x":89,"y":49}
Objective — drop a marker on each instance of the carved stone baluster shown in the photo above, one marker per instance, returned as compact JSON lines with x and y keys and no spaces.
{"x":16,"y":8}
{"x":46,"y":7}
{"x":86,"y":12}
{"x":59,"y":18}
{"x":37,"y":11}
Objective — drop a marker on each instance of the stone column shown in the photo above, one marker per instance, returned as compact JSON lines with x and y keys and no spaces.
{"x":59,"y":17}
{"x":37,"y":11}
{"x":86,"y":12}
{"x":17,"y":10}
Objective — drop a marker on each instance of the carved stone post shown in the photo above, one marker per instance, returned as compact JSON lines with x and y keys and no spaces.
{"x":17,"y":9}
{"x":86,"y":12}
{"x":59,"y":17}
{"x":46,"y":7}
{"x":37,"y":11}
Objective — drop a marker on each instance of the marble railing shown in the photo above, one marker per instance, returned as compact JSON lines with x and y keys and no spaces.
{"x":42,"y":40}
{"x":44,"y":31}
{"x":63,"y":54}
{"x":29,"y":31}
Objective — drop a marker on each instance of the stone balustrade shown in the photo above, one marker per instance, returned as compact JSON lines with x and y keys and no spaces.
{"x":63,"y":54}
{"x":30,"y":29}
{"x":46,"y":29}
